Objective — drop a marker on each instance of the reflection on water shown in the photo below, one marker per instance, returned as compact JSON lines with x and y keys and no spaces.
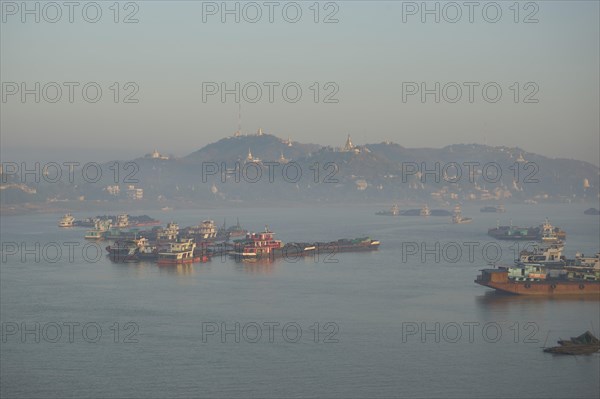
{"x":181,"y":269}
{"x":256,"y":266}
{"x":371,"y":296}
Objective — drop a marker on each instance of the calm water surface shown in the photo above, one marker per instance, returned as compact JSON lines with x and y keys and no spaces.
{"x":399,"y":325}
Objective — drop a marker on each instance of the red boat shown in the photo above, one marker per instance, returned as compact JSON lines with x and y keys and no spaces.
{"x":257,"y":245}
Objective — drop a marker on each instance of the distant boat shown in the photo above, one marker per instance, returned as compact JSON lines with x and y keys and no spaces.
{"x":99,"y":231}
{"x":425,"y":211}
{"x":493,"y":209}
{"x":169,"y":233}
{"x":592,"y":211}
{"x":394,"y":211}
{"x":545,"y":232}
{"x":66,"y":221}
{"x":457,"y":218}
{"x":584,"y":344}
{"x":237,"y":230}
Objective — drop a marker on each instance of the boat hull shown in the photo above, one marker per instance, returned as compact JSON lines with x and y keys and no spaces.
{"x":194,"y":259}
{"x":296,"y":250}
{"x":544,"y":288}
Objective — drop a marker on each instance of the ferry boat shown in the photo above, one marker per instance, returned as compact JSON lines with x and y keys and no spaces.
{"x":207,"y":230}
{"x":457,"y":217}
{"x":493,"y":209}
{"x":394,"y":211}
{"x":180,"y":251}
{"x":168,"y":234}
{"x":204,"y":232}
{"x":257,"y":245}
{"x":548,"y":232}
{"x":66,"y":221}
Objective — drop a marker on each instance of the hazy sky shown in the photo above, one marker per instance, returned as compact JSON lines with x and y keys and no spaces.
{"x":369,"y":55}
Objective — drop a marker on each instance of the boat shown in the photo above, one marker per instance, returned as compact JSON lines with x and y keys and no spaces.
{"x":592,"y":211}
{"x":576,"y":277}
{"x":545,"y":232}
{"x":178,"y":252}
{"x":514,"y":233}
{"x":493,"y":209}
{"x":204,"y":232}
{"x":548,"y":232}
{"x":457,"y":217}
{"x":393,"y":211}
{"x":87,"y":222}
{"x":256,"y":245}
{"x":146,"y":251}
{"x":66,"y":221}
{"x":123,"y":250}
{"x":122,"y":221}
{"x":348,"y":245}
{"x":570,"y":283}
{"x":168,"y":234}
{"x":237,"y":230}
{"x":99,"y":231}
{"x":142,"y":221}
{"x":546,"y":255}
{"x":425,"y":211}
{"x":207,"y":230}
{"x":119,"y":234}
{"x":584,"y":344}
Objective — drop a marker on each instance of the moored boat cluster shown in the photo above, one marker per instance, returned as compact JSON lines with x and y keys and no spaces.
{"x":174,"y":245}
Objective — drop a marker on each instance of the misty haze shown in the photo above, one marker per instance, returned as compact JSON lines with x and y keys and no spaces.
{"x":327,"y":199}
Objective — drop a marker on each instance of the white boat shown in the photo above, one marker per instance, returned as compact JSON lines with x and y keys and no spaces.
{"x":181,"y":251}
{"x":547,"y":255}
{"x":548,"y":232}
{"x":457,"y":218}
{"x":66,"y":221}
{"x":208,"y":230}
{"x":170,"y":233}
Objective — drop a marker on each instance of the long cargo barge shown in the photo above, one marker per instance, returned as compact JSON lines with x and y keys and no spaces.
{"x":264,"y":246}
{"x":498,"y":279}
{"x":544,"y":232}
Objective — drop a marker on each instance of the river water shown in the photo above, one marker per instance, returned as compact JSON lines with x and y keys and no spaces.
{"x":404,"y":321}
